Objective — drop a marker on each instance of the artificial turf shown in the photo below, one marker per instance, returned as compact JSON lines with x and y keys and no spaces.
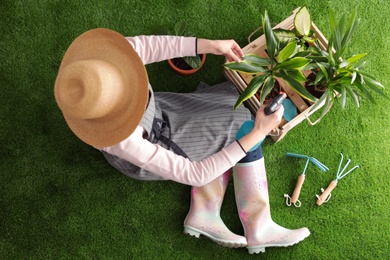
{"x":60,"y":199}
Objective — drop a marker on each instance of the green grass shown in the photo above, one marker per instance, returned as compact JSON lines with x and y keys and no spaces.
{"x":60,"y":199}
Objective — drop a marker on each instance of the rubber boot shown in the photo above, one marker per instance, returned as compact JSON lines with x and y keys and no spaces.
{"x":251,"y":191}
{"x":204,"y":215}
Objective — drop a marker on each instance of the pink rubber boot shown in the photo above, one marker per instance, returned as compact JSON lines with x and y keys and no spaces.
{"x":251,"y":190}
{"x":204,"y":215}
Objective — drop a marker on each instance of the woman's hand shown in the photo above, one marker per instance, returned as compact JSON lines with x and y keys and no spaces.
{"x":228,"y":48}
{"x":264,"y":124}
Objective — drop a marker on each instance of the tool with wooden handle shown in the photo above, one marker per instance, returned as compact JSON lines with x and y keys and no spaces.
{"x":298,"y":187}
{"x":326,"y":194}
{"x":301,"y":178}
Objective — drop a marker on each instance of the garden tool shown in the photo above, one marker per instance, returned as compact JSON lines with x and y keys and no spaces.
{"x":252,"y":198}
{"x":301,"y":178}
{"x":248,"y":125}
{"x":326,"y":194}
{"x":204,"y":216}
{"x":275,"y":103}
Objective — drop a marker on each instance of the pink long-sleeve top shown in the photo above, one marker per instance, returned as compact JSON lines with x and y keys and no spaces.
{"x":155,"y":158}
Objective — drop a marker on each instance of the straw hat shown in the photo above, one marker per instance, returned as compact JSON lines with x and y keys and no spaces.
{"x":101,"y":87}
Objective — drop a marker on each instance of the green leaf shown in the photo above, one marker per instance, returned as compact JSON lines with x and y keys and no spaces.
{"x":328,"y":98}
{"x":343,"y":96}
{"x":271,"y":40}
{"x":287,"y":51}
{"x":244,"y":67}
{"x":297,"y":75}
{"x":351,"y":27}
{"x":310,"y":66}
{"x":319,"y":50}
{"x":353,"y":95}
{"x":323,"y":70}
{"x":351,"y":60}
{"x":296,"y":86}
{"x":337,"y":34}
{"x":267,"y":87}
{"x":259,"y":61}
{"x":359,"y":66}
{"x":193,"y":61}
{"x":370,"y":79}
{"x":328,"y":102}
{"x":304,"y":53}
{"x":251,"y":89}
{"x":354,"y":75}
{"x":285,"y":36}
{"x":332,"y":20}
{"x":331,"y":59}
{"x":373,"y":84}
{"x":319,"y":77}
{"x":308,"y":39}
{"x":318,"y":102}
{"x":318,"y":58}
{"x":343,"y":78}
{"x":294,"y":63}
{"x":180,"y":28}
{"x":364,"y":90}
{"x":302,"y":22}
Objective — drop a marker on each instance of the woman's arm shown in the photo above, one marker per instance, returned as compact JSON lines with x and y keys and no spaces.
{"x":165,"y":163}
{"x":158,"y":48}
{"x":229,"y":48}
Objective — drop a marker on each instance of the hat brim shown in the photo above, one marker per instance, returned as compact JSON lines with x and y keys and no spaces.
{"x":110,"y":46}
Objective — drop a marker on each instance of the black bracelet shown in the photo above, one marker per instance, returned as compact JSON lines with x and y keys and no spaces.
{"x":241,"y":147}
{"x":196,"y":46}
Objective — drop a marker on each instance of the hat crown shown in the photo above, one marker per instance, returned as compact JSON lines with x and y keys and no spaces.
{"x":89,"y":89}
{"x":101,"y":87}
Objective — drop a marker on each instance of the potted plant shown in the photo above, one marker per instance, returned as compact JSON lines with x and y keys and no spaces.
{"x":302,"y":32}
{"x":186,"y":65}
{"x":274,"y":55}
{"x":282,"y":61}
{"x":336,"y":76}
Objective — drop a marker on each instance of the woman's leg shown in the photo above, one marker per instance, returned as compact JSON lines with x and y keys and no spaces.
{"x":204,"y":215}
{"x":251,"y":190}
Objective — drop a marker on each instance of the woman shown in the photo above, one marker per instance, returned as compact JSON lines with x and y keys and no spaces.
{"x":103,"y":91}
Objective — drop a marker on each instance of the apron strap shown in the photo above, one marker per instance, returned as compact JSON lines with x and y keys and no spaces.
{"x":158,"y":128}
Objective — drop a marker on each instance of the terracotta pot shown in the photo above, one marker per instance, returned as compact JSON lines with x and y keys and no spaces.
{"x":186,"y":72}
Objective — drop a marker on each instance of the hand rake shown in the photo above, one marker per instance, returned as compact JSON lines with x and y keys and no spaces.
{"x":325,"y":196}
{"x":301,"y":178}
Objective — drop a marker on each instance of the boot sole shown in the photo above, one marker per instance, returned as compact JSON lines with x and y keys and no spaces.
{"x":261,"y":248}
{"x":225,"y":243}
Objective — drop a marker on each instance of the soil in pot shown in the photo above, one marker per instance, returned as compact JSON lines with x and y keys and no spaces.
{"x":312,"y":88}
{"x":182,"y":68}
{"x":181,"y":64}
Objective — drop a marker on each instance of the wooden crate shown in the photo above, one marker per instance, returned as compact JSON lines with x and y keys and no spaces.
{"x":241,"y":81}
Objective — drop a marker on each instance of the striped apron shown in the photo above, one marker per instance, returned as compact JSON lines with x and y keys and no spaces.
{"x":200,"y":123}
